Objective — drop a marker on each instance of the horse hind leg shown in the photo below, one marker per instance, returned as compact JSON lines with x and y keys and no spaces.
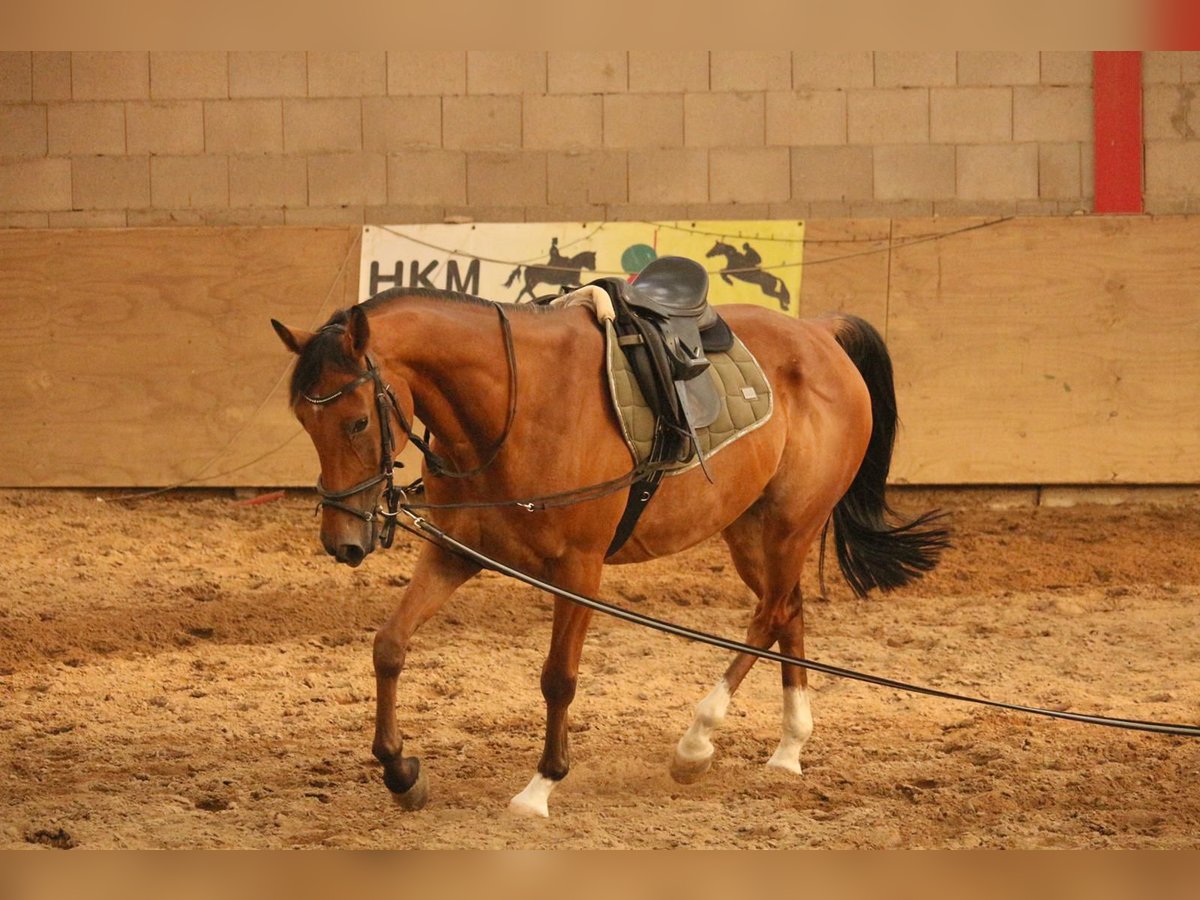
{"x":797,"y":712}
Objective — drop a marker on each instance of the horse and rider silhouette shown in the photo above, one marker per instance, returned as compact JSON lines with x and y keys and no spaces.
{"x":746,"y":266}
{"x":558,"y":270}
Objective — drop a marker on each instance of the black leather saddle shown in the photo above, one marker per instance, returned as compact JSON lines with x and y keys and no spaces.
{"x":666,"y":326}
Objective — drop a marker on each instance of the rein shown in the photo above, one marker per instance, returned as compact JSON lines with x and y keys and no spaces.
{"x":386,"y":406}
{"x":426,"y":530}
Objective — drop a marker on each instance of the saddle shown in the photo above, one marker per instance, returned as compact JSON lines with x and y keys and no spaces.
{"x":665,"y":326}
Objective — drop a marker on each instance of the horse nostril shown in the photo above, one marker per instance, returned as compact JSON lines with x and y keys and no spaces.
{"x":350,"y":554}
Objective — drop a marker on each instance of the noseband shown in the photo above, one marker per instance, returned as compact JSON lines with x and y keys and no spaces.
{"x":386,"y":406}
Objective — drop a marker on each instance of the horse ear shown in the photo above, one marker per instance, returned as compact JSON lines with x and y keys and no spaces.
{"x":293,"y":340}
{"x":358,"y":331}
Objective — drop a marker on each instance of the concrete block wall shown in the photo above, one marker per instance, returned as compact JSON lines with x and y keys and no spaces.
{"x":295,"y":137}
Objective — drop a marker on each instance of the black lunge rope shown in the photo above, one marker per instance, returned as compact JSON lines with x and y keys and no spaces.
{"x":426,"y":530}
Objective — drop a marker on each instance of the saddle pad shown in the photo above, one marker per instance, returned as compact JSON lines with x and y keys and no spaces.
{"x":746,"y":400}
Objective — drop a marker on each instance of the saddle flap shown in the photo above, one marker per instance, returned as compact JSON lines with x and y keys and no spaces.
{"x":670,"y":286}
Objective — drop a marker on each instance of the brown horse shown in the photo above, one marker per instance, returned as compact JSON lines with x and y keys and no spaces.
{"x":517,"y":405}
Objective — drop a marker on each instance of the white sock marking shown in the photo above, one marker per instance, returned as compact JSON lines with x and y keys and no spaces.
{"x":534,"y":800}
{"x":797,"y":727}
{"x":696,"y":743}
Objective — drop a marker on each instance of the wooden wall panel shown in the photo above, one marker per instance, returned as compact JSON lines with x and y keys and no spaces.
{"x":1048,"y":351}
{"x":1036,"y":351}
{"x":133,"y":357}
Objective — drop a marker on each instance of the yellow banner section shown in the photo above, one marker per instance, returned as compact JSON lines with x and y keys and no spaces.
{"x":757,"y":262}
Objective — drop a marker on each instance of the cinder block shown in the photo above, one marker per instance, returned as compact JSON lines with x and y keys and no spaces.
{"x":347,"y":73}
{"x":724,"y":120}
{"x":1087,"y":170}
{"x":646,"y":212}
{"x":717,"y":211}
{"x":967,"y":115}
{"x":402,"y":214}
{"x":1041,"y":208}
{"x":1172,"y":168}
{"x":832,"y":174}
{"x":888,"y":116}
{"x":35,"y":184}
{"x":160,"y":127}
{"x":427,"y":177}
{"x":1170,"y":112}
{"x":160,"y":218}
{"x":587,"y":178}
{"x":506,"y":179}
{"x":268,"y":73}
{"x":110,"y":75}
{"x":24,"y":219}
{"x":891,"y":209}
{"x":110,"y":182}
{"x":16,"y":76}
{"x":643,"y":120}
{"x":477,"y":213}
{"x":581,"y":212}
{"x":86,"y":128}
{"x":268,"y":181}
{"x":914,"y":172}
{"x":481,"y":123}
{"x":87,"y":218}
{"x":243,"y":126}
{"x":341,"y":179}
{"x":668,"y":71}
{"x":751,"y":70}
{"x":189,"y":182}
{"x":506,"y":72}
{"x":749,"y":175}
{"x":244,"y":217}
{"x":1067,"y":67}
{"x":668,"y":176}
{"x":818,"y":209}
{"x":1161,"y":67}
{"x":969,"y":209}
{"x":998,"y":68}
{"x":51,"y":75}
{"x":322,"y":126}
{"x":915,"y":68}
{"x":997,"y":172}
{"x":561,"y":122}
{"x":587,"y":71}
{"x":427,"y":72}
{"x":401,"y":123}
{"x":806,"y":118}
{"x":834,"y":69}
{"x":1059,"y":171}
{"x":320,"y":217}
{"x":23,"y":130}
{"x":1052,"y":114}
{"x":189,"y":74}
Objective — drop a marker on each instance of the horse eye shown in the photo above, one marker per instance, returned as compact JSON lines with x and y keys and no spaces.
{"x":359,"y":426}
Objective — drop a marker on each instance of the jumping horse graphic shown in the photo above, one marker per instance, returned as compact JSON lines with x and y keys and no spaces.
{"x":747,"y":267}
{"x":559,"y":270}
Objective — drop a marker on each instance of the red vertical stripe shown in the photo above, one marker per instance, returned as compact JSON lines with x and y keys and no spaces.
{"x":1117,"y":98}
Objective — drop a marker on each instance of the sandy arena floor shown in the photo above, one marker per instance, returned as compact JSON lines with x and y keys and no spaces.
{"x":193,"y":672}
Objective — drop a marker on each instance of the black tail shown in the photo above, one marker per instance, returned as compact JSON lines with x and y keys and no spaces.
{"x":872,"y":552}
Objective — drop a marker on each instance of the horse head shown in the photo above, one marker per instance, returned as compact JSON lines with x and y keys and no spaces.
{"x":720,"y":249}
{"x":585,"y":260}
{"x":339,"y":396}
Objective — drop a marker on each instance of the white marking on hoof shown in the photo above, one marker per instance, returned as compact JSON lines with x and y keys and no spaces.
{"x":694,"y":752}
{"x":534,"y":800}
{"x":797,"y":727}
{"x":416,"y":796}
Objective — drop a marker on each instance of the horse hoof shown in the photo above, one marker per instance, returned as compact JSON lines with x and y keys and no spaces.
{"x":416,"y":796}
{"x":689,"y":771}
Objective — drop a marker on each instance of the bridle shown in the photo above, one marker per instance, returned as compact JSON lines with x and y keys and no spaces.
{"x":386,"y":406}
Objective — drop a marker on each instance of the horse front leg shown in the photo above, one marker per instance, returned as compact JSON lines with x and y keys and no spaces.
{"x":437,"y":575}
{"x":560,"y":674}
